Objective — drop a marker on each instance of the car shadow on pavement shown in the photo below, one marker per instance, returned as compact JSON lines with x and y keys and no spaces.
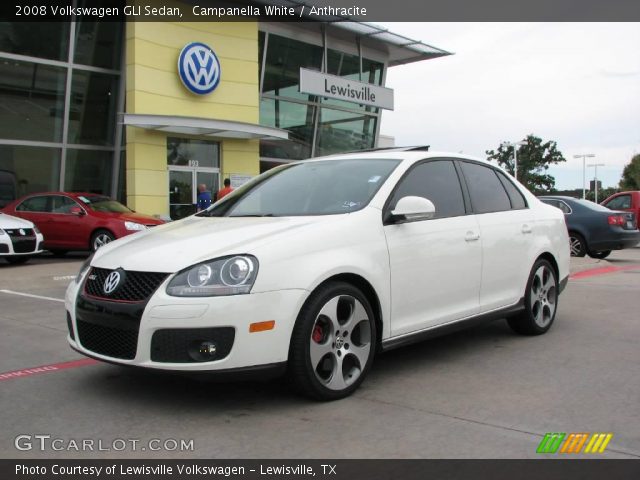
{"x":163,"y":391}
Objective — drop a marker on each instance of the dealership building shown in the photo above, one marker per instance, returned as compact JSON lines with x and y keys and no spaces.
{"x":147,"y":111}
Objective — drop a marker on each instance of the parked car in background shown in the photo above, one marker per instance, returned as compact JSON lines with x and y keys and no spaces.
{"x":8,"y":187}
{"x":79,"y":221}
{"x":314,"y":266}
{"x":593,"y":229}
{"x":627,"y":201}
{"x":19,"y":239}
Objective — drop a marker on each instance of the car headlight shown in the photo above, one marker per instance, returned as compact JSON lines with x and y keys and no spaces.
{"x":84,"y":269}
{"x":232,"y":275}
{"x":134,"y":226}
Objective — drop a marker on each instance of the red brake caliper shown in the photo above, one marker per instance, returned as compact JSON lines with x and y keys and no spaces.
{"x":318,"y":333}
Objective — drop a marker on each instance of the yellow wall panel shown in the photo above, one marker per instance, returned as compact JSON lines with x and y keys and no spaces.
{"x":154,"y":87}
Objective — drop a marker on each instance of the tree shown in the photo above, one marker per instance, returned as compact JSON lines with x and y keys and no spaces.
{"x":631,"y":175}
{"x":602,"y":193}
{"x":534,"y":159}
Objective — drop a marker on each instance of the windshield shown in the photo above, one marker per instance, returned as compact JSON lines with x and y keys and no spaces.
{"x":325,"y":187}
{"x":100,"y":203}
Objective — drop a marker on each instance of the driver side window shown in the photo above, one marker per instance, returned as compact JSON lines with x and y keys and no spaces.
{"x":436,"y":180}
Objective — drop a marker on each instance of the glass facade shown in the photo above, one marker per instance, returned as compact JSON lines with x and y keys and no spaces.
{"x":60,"y":92}
{"x":317,"y":126}
{"x":61,"y":88}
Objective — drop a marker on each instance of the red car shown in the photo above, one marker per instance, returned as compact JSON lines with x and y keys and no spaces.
{"x":78,"y":221}
{"x":627,"y":201}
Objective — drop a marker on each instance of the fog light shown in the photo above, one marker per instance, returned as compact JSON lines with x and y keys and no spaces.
{"x":208,"y":348}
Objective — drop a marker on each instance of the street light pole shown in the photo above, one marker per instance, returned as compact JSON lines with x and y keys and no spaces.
{"x":584,"y":170}
{"x":596,"y":165}
{"x":515,"y":146}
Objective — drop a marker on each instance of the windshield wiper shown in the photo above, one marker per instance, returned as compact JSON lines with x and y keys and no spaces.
{"x":254,"y":215}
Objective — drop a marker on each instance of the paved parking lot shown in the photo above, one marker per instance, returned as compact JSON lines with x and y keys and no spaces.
{"x":483,"y":393}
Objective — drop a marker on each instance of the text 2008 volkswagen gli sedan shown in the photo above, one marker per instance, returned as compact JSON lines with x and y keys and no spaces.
{"x":315,"y":266}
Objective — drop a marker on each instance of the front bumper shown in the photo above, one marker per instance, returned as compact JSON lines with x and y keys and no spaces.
{"x":20,"y":246}
{"x":182,"y":317}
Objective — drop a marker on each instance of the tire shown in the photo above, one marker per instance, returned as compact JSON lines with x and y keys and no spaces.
{"x":333,"y":342}
{"x":600,"y":255}
{"x":577,"y":244}
{"x":59,"y":253}
{"x":101,"y":238}
{"x":540,"y":301}
{"x":18,"y":260}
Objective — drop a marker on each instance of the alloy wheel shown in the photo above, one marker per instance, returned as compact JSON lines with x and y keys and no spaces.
{"x":340,"y":343}
{"x":543,"y":296}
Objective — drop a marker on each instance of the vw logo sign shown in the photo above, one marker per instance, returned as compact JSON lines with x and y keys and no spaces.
{"x":112,"y":282}
{"x":199,"y":68}
{"x":22,"y":232}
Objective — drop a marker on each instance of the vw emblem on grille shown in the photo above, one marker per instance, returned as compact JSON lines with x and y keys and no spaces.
{"x":112,"y":282}
{"x":22,"y":232}
{"x":199,"y":68}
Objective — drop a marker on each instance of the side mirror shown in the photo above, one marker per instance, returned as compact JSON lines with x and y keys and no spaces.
{"x":76,"y":211}
{"x":411,"y":209}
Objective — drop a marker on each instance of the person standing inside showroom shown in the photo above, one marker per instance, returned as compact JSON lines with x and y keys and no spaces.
{"x":226,"y":190}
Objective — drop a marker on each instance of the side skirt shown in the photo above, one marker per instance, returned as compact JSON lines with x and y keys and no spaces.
{"x":456,"y":325}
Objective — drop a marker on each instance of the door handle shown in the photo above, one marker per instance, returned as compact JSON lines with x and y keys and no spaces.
{"x":471,"y":236}
{"x":526,"y":229}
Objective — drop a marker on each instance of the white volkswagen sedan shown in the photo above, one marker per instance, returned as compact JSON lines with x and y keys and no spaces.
{"x":314,"y":267}
{"x":19,"y":239}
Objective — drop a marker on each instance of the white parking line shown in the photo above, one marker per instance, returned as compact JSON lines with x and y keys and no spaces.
{"x":65,"y":277}
{"x":11,"y":292}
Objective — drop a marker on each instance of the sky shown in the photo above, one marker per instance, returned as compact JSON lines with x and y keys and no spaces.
{"x":575,"y":83}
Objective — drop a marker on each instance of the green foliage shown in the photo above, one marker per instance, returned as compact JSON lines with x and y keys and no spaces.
{"x":534,"y":160}
{"x":631,"y":175}
{"x":603,"y":193}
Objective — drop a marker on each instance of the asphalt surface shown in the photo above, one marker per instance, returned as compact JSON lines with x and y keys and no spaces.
{"x":482,"y":393}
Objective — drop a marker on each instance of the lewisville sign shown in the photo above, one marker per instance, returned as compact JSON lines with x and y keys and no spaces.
{"x":332,"y":86}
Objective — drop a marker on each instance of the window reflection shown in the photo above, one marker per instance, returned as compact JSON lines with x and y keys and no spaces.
{"x":92,"y":115}
{"x":297,"y":119}
{"x":285,"y":56}
{"x":98,"y":43}
{"x":36,"y":169}
{"x":31,"y":101}
{"x":193,"y":153}
{"x":35,"y":39}
{"x":340,"y":131}
{"x":88,"y":171}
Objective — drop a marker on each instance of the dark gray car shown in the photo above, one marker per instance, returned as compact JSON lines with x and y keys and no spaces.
{"x":593,"y":229}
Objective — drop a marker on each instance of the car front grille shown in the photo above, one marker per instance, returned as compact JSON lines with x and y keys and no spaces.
{"x":20,"y":232}
{"x":23,"y":239}
{"x":109,"y":341}
{"x":137,"y":286}
{"x":4,"y":248}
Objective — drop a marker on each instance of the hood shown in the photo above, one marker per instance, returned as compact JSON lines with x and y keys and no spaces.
{"x":177,"y":245}
{"x":130,"y":217}
{"x":7,"y":221}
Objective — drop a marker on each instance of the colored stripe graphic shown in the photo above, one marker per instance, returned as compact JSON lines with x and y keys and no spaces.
{"x":598,"y":442}
{"x":573,"y":442}
{"x":550,"y":443}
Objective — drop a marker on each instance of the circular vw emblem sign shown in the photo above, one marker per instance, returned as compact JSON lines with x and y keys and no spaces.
{"x":112,"y":282}
{"x":199,"y":68}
